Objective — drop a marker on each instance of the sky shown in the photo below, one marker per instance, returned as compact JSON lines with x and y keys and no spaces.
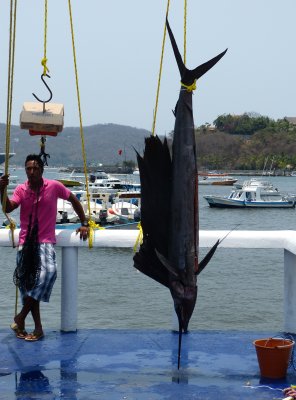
{"x":118,"y":47}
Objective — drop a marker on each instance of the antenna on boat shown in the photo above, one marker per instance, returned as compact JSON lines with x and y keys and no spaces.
{"x":271,"y":165}
{"x":265,"y":162}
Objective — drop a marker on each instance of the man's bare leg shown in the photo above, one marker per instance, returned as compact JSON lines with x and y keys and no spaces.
{"x":35,"y":310}
{"x":20,"y":318}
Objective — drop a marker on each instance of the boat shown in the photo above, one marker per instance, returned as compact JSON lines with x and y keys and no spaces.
{"x":99,"y":174}
{"x":98,"y":182}
{"x":265,"y":184}
{"x":3,"y":157}
{"x":71,"y":180}
{"x":105,"y":208}
{"x":217,"y":179}
{"x":254,"y":193}
{"x":111,"y":201}
{"x":13,"y":182}
{"x":125,"y":211}
{"x":112,"y":184}
{"x":113,"y":225}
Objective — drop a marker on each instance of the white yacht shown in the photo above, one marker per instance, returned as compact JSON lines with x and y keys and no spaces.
{"x":253,"y":194}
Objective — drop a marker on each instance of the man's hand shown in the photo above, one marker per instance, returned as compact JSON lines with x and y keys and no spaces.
{"x":291,"y":392}
{"x":4,"y":182}
{"x":84,"y":232}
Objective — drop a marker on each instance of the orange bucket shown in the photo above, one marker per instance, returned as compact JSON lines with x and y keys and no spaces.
{"x":273,"y":356}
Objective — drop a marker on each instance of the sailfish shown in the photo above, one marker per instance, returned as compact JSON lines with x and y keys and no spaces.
{"x":169,"y":203}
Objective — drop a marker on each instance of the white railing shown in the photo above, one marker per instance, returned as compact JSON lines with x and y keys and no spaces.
{"x":70,"y":242}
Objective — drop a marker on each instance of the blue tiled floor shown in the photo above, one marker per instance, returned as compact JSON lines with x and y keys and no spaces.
{"x":134,"y":364}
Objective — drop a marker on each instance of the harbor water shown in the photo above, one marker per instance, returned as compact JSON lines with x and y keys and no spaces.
{"x":240,"y":288}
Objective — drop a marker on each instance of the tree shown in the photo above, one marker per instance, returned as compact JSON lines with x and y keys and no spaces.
{"x":241,"y":124}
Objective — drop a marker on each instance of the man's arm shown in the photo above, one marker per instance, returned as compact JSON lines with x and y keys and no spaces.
{"x":10,"y":205}
{"x":84,"y":229}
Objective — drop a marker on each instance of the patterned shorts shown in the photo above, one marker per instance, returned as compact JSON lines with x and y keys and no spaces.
{"x":42,"y":289}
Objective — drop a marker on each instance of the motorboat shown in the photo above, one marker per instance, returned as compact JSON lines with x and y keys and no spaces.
{"x":71,"y":180}
{"x":253,"y":194}
{"x":3,"y":157}
{"x":13,"y":182}
{"x":126,"y":211}
{"x":110,"y":185}
{"x":254,"y":182}
{"x":217,"y":179}
{"x":98,"y":212}
{"x":97,"y":179}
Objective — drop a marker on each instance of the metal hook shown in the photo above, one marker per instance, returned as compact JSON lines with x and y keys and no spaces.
{"x":44,"y":101}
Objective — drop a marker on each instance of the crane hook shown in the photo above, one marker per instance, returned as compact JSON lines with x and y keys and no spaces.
{"x":44,"y":101}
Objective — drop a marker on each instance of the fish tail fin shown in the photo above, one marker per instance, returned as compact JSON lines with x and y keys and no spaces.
{"x":189,"y":76}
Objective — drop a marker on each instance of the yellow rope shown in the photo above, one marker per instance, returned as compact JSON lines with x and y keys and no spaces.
{"x":44,"y":59}
{"x":11,"y":57}
{"x":80,"y":117}
{"x":92,"y":226}
{"x":139,"y":237}
{"x":160,"y":72}
{"x":185,"y":29}
{"x":191,"y":87}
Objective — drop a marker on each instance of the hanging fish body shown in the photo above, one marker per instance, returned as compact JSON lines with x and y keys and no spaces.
{"x":169,"y":208}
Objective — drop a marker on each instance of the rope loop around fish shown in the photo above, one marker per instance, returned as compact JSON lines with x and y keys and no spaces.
{"x":191,"y":87}
{"x":139,"y":239}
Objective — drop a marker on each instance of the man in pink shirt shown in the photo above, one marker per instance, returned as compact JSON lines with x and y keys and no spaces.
{"x":35,"y":273}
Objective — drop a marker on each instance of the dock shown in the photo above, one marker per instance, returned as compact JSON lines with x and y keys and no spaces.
{"x":135,"y":365}
{"x":132,"y":364}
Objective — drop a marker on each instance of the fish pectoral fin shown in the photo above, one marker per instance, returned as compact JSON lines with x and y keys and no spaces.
{"x":207,"y":258}
{"x":165,"y":262}
{"x":175,"y":110}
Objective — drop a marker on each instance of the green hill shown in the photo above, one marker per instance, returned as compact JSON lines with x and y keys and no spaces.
{"x":102,"y":142}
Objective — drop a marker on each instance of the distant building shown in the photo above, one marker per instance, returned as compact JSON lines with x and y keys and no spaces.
{"x":292,"y":120}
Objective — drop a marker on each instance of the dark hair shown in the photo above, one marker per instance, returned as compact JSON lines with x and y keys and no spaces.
{"x":37,"y":158}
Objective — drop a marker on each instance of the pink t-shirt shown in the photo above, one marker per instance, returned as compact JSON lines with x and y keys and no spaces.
{"x":46,"y":209}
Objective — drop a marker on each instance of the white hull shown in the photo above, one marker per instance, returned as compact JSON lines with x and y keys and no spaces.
{"x":224,"y":202}
{"x":253,"y":194}
{"x":217,"y":180}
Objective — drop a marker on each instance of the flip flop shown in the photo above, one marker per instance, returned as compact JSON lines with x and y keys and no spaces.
{"x":34,"y":336}
{"x":19,"y":333}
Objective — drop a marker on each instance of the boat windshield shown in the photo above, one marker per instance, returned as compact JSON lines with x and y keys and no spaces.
{"x":237,"y":195}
